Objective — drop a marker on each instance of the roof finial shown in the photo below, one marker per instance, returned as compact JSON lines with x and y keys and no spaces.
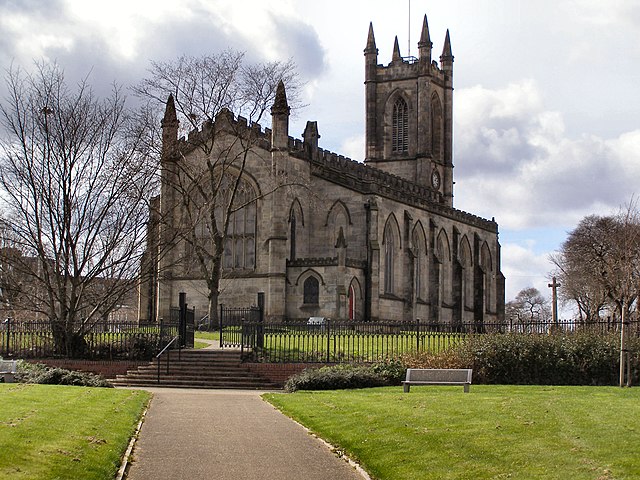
{"x":371,"y":41}
{"x":280,"y":104}
{"x":170,"y":116}
{"x":396,"y":51}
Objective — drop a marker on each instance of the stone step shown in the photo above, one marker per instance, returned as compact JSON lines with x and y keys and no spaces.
{"x":196,"y":369}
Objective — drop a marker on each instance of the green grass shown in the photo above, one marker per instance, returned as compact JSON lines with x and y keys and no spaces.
{"x":208,"y":335}
{"x":197,"y":345}
{"x":493,"y":432}
{"x":55,"y":432}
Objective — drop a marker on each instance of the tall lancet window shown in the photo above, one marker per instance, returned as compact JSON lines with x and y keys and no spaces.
{"x":400,"y":119}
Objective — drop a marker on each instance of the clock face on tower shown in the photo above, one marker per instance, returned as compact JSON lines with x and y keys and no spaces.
{"x":435,"y":179}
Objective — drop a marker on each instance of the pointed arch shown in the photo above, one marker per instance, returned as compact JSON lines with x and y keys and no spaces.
{"x":420,"y":271}
{"x":338,"y":206}
{"x":309,"y":272}
{"x":442,"y":253}
{"x":296,"y":224}
{"x":486,"y":267}
{"x":338,"y":219}
{"x":485,"y":258}
{"x":466,"y":258}
{"x":442,"y":248}
{"x":391,"y":242}
{"x":437,"y":127}
{"x":354,"y":296}
{"x":296,"y":209}
{"x":400,"y":126}
{"x":466,"y":262}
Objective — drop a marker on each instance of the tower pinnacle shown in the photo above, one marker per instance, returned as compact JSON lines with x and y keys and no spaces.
{"x":280,"y":105}
{"x":446,"y":56}
{"x":371,"y":41}
{"x":396,"y":52}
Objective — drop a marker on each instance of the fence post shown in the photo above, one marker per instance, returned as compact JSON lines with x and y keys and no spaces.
{"x":328,"y":323}
{"x":417,"y":335}
{"x":220,"y":327}
{"x":8,"y":322}
{"x":260,"y":327}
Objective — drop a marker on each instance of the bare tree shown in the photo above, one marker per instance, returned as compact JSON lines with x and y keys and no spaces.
{"x":601,"y":258}
{"x":599,"y":263}
{"x":207,"y":196}
{"x":529,"y":308}
{"x":75,"y":181}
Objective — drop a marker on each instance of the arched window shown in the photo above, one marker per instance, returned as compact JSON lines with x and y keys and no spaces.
{"x":389,"y":258}
{"x":352,"y":303}
{"x":240,"y":240}
{"x":292,"y":237}
{"x":400,"y":132}
{"x":311,"y":291}
{"x":436,"y":127}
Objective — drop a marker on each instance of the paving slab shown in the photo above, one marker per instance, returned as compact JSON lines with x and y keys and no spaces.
{"x":224,"y":434}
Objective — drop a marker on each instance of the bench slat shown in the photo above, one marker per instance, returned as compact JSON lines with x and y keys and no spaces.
{"x":438,"y":376}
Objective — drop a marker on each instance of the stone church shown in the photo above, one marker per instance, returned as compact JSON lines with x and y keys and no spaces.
{"x":379,"y":240}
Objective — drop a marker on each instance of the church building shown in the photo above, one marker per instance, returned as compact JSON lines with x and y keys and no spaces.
{"x":373,"y":240}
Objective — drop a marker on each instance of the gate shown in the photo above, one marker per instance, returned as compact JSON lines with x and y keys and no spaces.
{"x":243,"y":328}
{"x":184,"y":318}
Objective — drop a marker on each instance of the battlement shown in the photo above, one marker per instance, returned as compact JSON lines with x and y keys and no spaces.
{"x":226,"y":121}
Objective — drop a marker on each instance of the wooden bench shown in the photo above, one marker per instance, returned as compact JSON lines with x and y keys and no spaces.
{"x":438,"y":376}
{"x":7,"y":371}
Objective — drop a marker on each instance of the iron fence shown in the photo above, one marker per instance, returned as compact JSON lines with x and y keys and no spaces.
{"x":110,"y":340}
{"x":321,"y":340}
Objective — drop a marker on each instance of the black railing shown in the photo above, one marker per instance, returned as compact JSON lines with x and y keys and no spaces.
{"x":110,"y":340}
{"x":322,"y":340}
{"x":173,"y":343}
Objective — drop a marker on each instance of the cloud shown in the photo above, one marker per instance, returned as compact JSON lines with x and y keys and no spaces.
{"x":515,"y":162}
{"x":84,"y":36}
{"x":522,"y":268}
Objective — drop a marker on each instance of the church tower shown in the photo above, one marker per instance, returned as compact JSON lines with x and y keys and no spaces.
{"x":409,"y":114}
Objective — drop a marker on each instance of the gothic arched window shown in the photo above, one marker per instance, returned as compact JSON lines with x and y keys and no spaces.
{"x":311,"y":291}
{"x":400,"y":132}
{"x":389,"y":258}
{"x":240,"y":240}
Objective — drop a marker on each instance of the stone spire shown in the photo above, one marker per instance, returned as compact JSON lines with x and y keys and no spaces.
{"x":371,"y":42}
{"x":280,"y":105}
{"x":396,"y":52}
{"x":446,"y":59}
{"x":425,"y":45}
{"x":169,"y":125}
{"x":280,"y":119}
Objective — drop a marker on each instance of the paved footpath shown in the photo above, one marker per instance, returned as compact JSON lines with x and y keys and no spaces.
{"x":227,"y":434}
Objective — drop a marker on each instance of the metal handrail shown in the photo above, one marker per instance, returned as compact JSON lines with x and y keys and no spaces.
{"x":174,"y":339}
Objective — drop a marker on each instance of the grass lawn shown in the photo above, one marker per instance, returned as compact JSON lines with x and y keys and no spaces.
{"x":493,"y":432}
{"x":207,"y":335}
{"x":56,"y":432}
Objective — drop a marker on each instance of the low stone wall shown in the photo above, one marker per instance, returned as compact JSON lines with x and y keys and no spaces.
{"x":106,"y":368}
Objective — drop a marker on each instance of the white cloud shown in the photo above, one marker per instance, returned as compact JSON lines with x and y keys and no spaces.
{"x":353,"y":147}
{"x":516,"y":163}
{"x":522,"y":268}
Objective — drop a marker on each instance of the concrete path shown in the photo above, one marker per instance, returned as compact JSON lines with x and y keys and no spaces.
{"x":226,"y":434}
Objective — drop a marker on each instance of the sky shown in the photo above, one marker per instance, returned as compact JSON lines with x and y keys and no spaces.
{"x":546,"y":96}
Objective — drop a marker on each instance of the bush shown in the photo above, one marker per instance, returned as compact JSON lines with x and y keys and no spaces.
{"x":42,"y":374}
{"x":574,"y":359}
{"x":344,"y":376}
{"x":450,"y":358}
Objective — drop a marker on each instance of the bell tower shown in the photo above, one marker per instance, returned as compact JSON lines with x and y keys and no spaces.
{"x":409,"y":114}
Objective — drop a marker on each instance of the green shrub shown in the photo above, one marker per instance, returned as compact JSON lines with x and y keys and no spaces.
{"x":42,"y":374}
{"x":449,"y":358}
{"x":344,"y":376}
{"x":573,"y":359}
